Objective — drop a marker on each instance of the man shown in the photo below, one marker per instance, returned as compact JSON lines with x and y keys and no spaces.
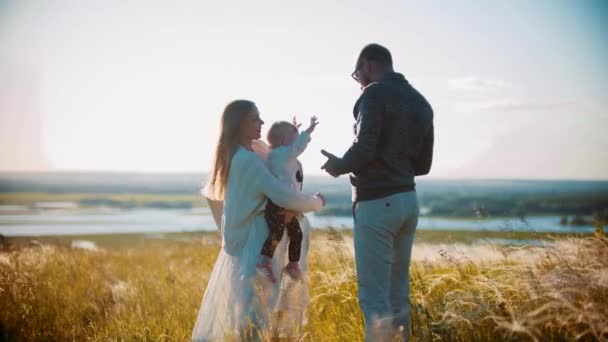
{"x":393,"y":144}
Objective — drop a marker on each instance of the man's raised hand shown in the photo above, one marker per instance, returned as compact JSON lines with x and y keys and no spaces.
{"x":330,"y":165}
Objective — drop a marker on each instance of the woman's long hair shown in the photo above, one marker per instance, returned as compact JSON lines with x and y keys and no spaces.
{"x":231,"y":126}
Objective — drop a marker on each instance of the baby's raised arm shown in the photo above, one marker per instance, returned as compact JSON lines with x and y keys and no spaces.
{"x":313,"y":123}
{"x":301,"y":142}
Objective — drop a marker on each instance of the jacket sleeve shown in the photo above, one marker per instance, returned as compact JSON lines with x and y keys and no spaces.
{"x":369,"y":123}
{"x":422,"y":164}
{"x":295,"y":149}
{"x":281,"y":194}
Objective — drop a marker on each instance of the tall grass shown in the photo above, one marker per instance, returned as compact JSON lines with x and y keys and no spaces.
{"x":152,"y":292}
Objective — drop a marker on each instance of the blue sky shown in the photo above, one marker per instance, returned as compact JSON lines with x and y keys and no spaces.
{"x":518,"y":87}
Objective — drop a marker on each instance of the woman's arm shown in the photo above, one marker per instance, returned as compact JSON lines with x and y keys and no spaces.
{"x":281,"y":194}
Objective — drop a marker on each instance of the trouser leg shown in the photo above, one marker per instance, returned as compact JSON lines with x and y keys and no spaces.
{"x":400,"y":273}
{"x":373,"y":258}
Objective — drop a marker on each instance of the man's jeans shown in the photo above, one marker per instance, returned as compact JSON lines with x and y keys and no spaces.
{"x":384,"y":234}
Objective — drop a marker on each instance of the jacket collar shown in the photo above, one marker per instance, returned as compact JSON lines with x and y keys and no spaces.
{"x":390,"y":77}
{"x":393,"y":76}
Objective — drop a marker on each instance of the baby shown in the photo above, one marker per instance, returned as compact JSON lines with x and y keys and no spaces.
{"x":286,"y":144}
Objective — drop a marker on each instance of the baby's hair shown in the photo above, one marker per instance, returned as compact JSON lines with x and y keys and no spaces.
{"x":277,"y":132}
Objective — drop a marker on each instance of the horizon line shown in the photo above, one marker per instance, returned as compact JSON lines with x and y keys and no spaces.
{"x":425,"y":177}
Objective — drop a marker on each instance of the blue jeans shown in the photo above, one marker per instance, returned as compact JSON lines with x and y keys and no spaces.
{"x":384,"y":234}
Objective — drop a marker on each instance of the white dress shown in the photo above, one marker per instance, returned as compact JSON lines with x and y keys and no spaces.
{"x":238,"y":303}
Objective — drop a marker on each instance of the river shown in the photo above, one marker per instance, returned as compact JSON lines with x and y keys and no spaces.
{"x":69,"y":220}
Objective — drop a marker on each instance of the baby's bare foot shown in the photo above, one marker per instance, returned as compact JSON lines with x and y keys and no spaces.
{"x":293,"y":270}
{"x":264,"y":267}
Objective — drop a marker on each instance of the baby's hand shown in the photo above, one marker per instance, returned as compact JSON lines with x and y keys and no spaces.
{"x":313,"y":123}
{"x":294,"y":121}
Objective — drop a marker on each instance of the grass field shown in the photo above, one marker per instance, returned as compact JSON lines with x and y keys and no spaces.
{"x":149,"y":288}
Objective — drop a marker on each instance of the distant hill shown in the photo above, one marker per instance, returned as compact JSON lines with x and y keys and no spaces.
{"x":439,"y":197}
{"x":189,"y":183}
{"x":101,"y":182}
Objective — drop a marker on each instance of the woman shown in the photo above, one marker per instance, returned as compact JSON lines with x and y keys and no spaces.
{"x":238,"y":304}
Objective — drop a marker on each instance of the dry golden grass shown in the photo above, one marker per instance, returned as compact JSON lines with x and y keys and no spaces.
{"x":151,"y":291}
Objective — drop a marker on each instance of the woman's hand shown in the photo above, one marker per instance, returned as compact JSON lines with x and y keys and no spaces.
{"x":321,"y":197}
{"x":289,"y":215}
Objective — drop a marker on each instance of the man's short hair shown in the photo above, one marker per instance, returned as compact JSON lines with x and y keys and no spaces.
{"x":377,"y":53}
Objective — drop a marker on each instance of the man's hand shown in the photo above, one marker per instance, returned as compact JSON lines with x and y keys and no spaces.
{"x":313,"y":123}
{"x":330,"y":165}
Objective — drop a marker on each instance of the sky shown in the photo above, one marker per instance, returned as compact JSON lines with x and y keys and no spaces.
{"x":518,"y":87}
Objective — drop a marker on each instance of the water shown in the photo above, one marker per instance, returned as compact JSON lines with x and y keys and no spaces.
{"x":66,"y":220}
{"x":546,"y":224}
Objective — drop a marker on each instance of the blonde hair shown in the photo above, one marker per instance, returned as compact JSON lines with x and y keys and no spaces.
{"x":277,"y":132}
{"x":231,"y":126}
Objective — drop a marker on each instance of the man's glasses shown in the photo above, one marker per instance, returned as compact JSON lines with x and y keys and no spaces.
{"x":355,"y":75}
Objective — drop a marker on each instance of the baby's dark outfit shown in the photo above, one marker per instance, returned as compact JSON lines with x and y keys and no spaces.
{"x":276,"y":224}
